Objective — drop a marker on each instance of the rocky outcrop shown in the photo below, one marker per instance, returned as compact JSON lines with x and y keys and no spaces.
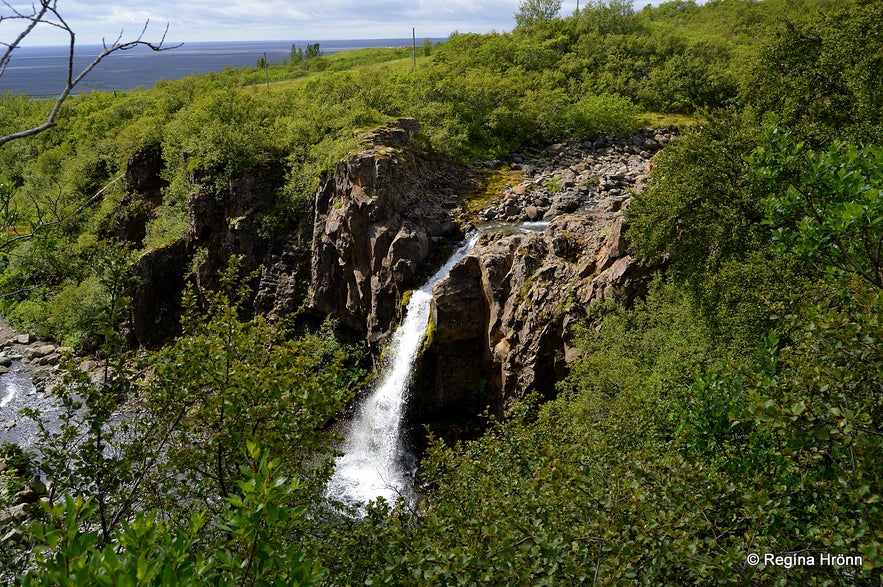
{"x":143,"y":184}
{"x":383,"y":220}
{"x":219,"y":227}
{"x":504,"y":315}
{"x":375,"y":227}
{"x":230,"y":225}
{"x":156,"y":302}
{"x":563,"y":177}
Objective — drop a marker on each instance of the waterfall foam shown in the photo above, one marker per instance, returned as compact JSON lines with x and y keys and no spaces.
{"x":376,"y":462}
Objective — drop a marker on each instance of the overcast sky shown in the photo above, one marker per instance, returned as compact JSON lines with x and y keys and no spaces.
{"x":295,"y":20}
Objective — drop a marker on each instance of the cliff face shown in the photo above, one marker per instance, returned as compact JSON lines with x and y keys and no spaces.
{"x":386,"y":218}
{"x":382,"y":223}
{"x":219,"y":227}
{"x":503,"y":315}
{"x":375,"y":228}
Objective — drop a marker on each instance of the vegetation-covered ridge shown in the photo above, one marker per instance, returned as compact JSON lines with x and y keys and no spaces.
{"x":736,"y":410}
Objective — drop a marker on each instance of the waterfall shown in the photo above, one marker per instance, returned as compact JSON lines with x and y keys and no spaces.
{"x":375,"y":461}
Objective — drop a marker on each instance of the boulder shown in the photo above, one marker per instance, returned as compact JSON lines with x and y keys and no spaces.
{"x":25,"y":496}
{"x":12,"y":515}
{"x":31,"y":353}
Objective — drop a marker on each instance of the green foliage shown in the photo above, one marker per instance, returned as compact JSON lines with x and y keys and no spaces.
{"x":534,"y":12}
{"x":123,"y":490}
{"x":86,"y":283}
{"x":300,"y":55}
{"x":169,"y":224}
{"x":478,"y":97}
{"x":219,"y":137}
{"x":251,"y":546}
{"x":820,"y":75}
{"x":701,"y":209}
{"x":826,"y":207}
{"x":603,"y":115}
{"x":17,"y":470}
{"x":226,"y":382}
{"x":736,"y":409}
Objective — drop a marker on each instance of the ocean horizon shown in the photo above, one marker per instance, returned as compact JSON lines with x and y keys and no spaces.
{"x":41,"y":71}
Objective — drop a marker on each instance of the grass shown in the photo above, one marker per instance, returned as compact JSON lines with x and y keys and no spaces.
{"x":490,"y":187}
{"x":664,"y":120}
{"x":394,"y":60}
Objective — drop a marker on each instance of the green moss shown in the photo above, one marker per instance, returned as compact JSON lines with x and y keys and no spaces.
{"x":406,"y":298}
{"x":490,"y":186}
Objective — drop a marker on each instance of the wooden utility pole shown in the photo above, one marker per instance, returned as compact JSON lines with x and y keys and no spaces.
{"x":267,"y":71}
{"x":414,"y":42}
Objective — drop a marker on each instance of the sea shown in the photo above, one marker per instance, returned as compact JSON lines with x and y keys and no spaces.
{"x":41,"y":71}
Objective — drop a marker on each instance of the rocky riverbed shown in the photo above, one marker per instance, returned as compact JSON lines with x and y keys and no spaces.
{"x":29,"y":370}
{"x":565,"y":177}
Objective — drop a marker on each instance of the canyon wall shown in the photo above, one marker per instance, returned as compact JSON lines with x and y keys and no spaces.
{"x":504,"y":316}
{"x":386,"y":218}
{"x":377,"y":225}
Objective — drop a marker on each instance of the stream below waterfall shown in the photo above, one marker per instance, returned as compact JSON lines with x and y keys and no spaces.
{"x":17,"y":391}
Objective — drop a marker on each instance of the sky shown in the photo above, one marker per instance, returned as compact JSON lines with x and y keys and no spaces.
{"x":295,"y":20}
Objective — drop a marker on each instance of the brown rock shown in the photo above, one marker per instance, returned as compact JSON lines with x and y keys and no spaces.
{"x":381,"y":222}
{"x":31,"y":353}
{"x":504,"y":313}
{"x":25,"y":496}
{"x":610,"y":204}
{"x":12,"y":515}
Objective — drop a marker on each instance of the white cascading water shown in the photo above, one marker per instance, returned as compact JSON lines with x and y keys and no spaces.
{"x":375,"y":461}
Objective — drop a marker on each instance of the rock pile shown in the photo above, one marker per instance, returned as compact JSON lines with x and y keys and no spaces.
{"x":565,"y":177}
{"x":40,"y":358}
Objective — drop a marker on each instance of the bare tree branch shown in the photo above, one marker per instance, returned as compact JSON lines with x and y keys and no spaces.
{"x":46,"y":214}
{"x":32,"y":21}
{"x":46,"y":13}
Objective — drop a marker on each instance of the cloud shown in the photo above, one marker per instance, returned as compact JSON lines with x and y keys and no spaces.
{"x":241,"y":20}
